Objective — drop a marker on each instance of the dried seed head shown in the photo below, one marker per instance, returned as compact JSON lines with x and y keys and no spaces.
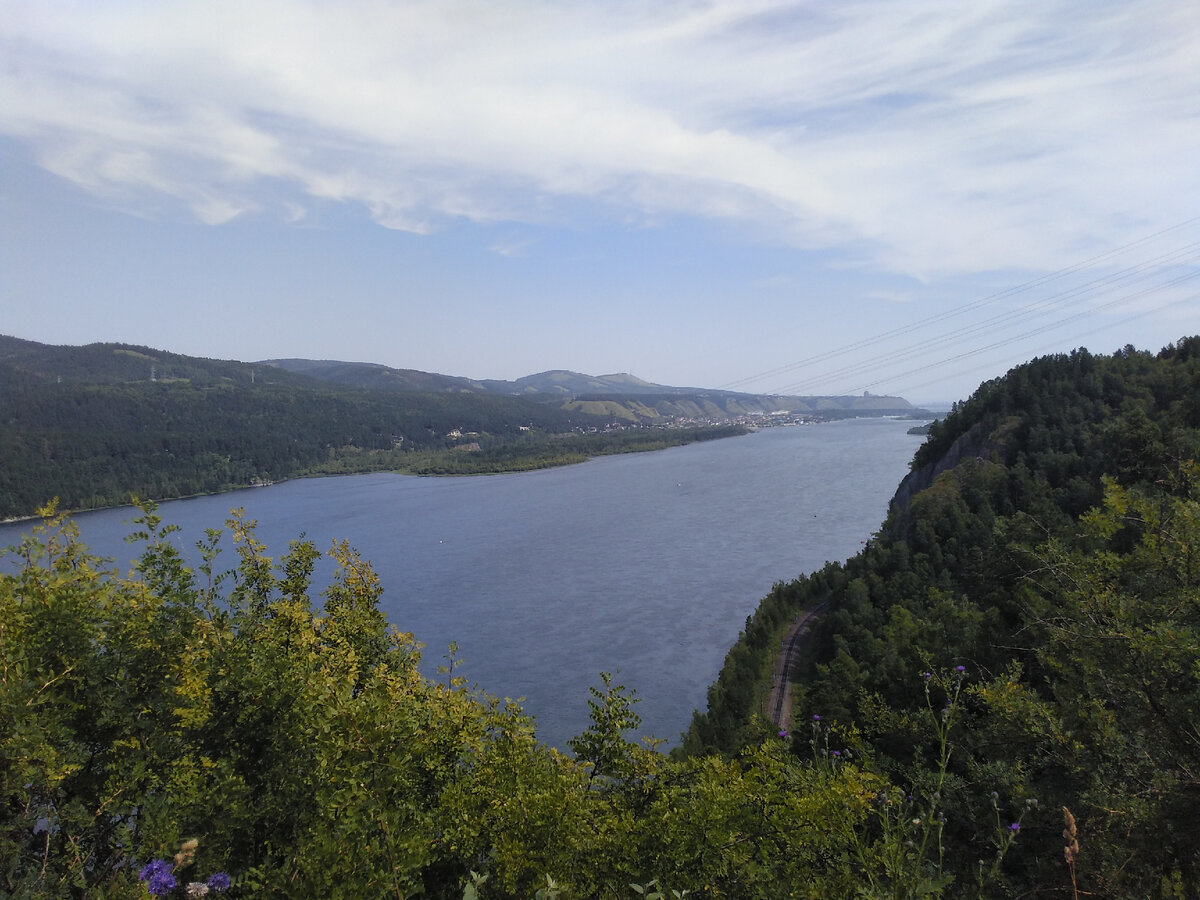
{"x":187,"y":852}
{"x":1071,"y":836}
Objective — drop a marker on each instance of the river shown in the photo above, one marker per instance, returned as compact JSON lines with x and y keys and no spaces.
{"x":645,"y":565}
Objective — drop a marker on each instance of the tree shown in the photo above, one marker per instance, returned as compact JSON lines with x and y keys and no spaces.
{"x":1123,"y":645}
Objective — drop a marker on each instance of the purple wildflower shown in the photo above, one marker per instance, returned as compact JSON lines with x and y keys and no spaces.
{"x":162,"y":883}
{"x":816,"y":718}
{"x":960,"y":669}
{"x":835,"y":753}
{"x":1014,"y":827}
{"x":927,"y":675}
{"x":219,"y":881}
{"x":783,"y":734}
{"x":152,"y":868}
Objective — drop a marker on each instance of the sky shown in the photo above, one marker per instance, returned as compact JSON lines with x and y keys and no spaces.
{"x":777,"y":197}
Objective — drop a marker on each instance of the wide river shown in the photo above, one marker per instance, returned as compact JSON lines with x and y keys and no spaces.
{"x":645,"y":565}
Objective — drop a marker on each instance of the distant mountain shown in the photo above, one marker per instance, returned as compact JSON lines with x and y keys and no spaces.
{"x":621,"y":395}
{"x":374,"y":376}
{"x":561,"y":381}
{"x":114,"y":363}
{"x":557,"y":382}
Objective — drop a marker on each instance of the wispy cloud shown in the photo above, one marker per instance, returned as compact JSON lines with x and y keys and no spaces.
{"x":513,"y":247}
{"x":924,"y":137}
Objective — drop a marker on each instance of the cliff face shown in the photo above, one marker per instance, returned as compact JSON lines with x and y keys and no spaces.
{"x":977,"y":442}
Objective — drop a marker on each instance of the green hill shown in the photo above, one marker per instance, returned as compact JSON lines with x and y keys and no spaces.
{"x":28,"y":363}
{"x":93,"y":425}
{"x":1047,"y":541}
{"x":374,"y":376}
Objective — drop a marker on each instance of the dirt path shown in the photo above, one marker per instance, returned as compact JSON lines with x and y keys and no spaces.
{"x":779,"y":703}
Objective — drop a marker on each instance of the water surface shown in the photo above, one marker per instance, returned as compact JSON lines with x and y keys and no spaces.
{"x":645,"y":564}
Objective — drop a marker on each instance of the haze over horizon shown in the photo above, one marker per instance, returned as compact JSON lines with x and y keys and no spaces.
{"x":774,"y":197}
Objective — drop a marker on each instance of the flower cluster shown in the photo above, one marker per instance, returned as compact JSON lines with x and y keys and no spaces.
{"x":159,"y":875}
{"x":159,"y":878}
{"x":160,"y":881}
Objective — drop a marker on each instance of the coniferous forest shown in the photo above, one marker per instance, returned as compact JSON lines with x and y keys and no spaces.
{"x":1000,"y":698}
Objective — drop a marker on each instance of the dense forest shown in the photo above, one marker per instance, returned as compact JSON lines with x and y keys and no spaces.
{"x":1000,"y":699}
{"x":94,"y":445}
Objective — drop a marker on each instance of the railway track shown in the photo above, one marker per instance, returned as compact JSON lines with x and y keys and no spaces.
{"x":779,"y":701}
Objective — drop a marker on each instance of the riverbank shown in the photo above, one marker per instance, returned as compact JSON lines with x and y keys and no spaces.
{"x":470,"y":458}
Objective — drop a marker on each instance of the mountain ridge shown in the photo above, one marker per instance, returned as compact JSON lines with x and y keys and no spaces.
{"x":582,"y":388}
{"x":115,"y":363}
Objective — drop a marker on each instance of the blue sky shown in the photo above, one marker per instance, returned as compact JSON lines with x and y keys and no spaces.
{"x":804,"y":197}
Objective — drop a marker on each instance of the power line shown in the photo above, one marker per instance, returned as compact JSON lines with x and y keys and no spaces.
{"x":1046,"y":348}
{"x":1178,"y":281}
{"x":1009,"y":319}
{"x":974,"y":305}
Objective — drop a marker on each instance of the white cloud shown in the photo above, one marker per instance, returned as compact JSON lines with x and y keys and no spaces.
{"x":931,"y":137}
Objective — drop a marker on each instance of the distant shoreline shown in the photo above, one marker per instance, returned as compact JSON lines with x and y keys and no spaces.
{"x":612,"y":444}
{"x":528,"y":463}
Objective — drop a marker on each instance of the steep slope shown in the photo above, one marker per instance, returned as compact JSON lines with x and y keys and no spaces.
{"x":1072,"y":635}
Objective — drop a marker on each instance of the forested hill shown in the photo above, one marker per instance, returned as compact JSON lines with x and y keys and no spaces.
{"x":30,"y":363}
{"x":374,"y":376}
{"x":1033,"y":603}
{"x":91,"y":425}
